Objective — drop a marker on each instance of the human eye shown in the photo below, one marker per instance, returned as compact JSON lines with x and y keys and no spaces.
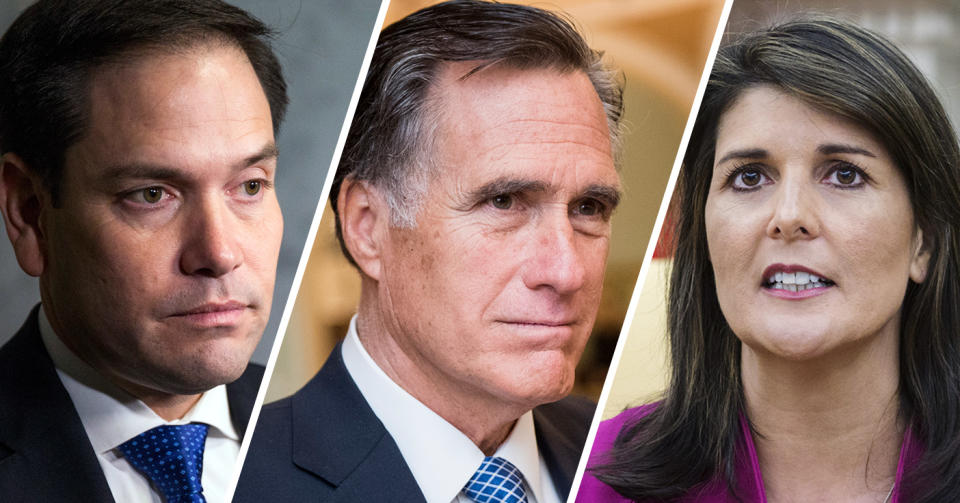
{"x":845,"y":175}
{"x":747,"y":178}
{"x":504,"y":201}
{"x":253,"y":188}
{"x":591,"y":207}
{"x":148,"y":197}
{"x":504,"y":210}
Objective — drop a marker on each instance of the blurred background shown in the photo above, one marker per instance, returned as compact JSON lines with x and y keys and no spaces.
{"x":926,"y":30}
{"x":320,"y":44}
{"x":661,"y":47}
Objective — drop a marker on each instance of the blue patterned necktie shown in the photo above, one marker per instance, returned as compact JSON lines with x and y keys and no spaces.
{"x":496,"y":481}
{"x":172,"y":457}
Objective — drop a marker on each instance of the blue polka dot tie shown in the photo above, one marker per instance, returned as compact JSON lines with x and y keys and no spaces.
{"x":172,"y":457}
{"x":496,"y":481}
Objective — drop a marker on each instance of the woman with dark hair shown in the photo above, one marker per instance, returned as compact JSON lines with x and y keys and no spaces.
{"x":814,"y":303}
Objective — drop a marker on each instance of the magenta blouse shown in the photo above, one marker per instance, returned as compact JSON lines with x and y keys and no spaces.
{"x":749,"y":478}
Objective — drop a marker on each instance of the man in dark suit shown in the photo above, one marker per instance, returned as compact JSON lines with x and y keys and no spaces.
{"x":474,"y":196}
{"x":138,"y":159}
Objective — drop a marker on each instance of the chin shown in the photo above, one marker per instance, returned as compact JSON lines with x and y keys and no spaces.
{"x":793,"y":346}
{"x":206,"y":368}
{"x":194,"y":381}
{"x":545,"y":383}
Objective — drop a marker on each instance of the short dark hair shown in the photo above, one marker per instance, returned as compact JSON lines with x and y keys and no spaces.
{"x":840,"y":68}
{"x":389,"y":132}
{"x":48,"y":55}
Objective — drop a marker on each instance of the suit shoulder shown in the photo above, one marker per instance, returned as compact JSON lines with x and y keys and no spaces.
{"x":251,"y":378}
{"x":272,"y":435}
{"x":574,"y":410}
{"x":275,"y":414}
{"x":570,"y":417}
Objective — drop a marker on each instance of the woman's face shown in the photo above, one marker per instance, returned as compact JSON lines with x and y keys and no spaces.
{"x":810,"y":228}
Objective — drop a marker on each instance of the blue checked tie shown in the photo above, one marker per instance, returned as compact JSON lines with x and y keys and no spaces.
{"x":172,"y":457}
{"x":496,"y":481}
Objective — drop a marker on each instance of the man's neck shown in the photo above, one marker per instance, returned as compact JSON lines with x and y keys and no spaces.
{"x":166,"y":405}
{"x":484,"y":419}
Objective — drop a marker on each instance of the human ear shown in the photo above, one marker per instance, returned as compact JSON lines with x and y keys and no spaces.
{"x":920,"y":259}
{"x":21,"y":198}
{"x":363,"y":219}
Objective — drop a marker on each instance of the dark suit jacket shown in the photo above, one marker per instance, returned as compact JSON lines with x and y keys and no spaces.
{"x":44,"y":451}
{"x":325,"y":444}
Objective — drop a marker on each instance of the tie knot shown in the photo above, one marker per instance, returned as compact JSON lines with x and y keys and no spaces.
{"x":172,"y":457}
{"x":496,"y":481}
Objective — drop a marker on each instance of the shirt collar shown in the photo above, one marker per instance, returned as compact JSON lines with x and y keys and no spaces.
{"x":441,"y":458}
{"x":110,"y":415}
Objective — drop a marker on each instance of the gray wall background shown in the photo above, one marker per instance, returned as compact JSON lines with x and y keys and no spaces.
{"x":321,"y":44}
{"x":928,"y":31}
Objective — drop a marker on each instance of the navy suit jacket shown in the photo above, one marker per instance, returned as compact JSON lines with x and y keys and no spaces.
{"x":45,"y":454}
{"x":324,"y":443}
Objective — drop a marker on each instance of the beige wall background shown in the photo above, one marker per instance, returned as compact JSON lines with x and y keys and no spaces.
{"x":927,"y":30}
{"x":661,"y":46}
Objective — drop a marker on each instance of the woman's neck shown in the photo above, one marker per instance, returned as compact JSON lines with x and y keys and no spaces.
{"x":828,"y":428}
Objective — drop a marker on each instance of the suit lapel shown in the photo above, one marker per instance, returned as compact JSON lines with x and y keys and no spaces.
{"x":337,"y":437}
{"x":44,"y":451}
{"x":241,"y":394}
{"x":561,"y":429}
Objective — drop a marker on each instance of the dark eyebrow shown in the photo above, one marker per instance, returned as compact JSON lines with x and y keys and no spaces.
{"x":827,"y":149}
{"x":606,"y":193}
{"x":839,"y":148}
{"x":139,"y":170}
{"x":748,"y":153}
{"x":506,"y":186}
{"x":269,"y":151}
{"x":162,"y":172}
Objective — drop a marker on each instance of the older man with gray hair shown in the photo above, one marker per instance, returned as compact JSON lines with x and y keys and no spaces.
{"x":474,"y":197}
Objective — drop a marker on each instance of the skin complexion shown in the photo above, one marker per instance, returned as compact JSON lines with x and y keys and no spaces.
{"x":813,"y":242}
{"x":157,"y":266}
{"x":482,"y":310}
{"x":810,"y":229}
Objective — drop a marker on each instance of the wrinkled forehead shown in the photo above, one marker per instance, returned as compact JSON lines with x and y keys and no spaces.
{"x":500,"y":116}
{"x":490,"y":92}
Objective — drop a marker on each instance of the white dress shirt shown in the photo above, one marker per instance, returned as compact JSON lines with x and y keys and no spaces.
{"x":441,"y":458}
{"x":112,"y":416}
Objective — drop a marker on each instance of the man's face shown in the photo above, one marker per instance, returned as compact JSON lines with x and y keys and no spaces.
{"x":159,"y":262}
{"x":493,"y":294}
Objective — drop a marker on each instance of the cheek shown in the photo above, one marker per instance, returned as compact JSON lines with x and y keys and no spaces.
{"x":594,"y":253}
{"x":878,"y":247}
{"x":727,"y":242}
{"x":261,"y":241}
{"x":409,"y":285}
{"x":105,"y":252}
{"x":475,"y":269}
{"x":734,"y":232}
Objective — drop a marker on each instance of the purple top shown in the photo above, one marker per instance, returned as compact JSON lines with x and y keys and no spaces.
{"x":749,"y":478}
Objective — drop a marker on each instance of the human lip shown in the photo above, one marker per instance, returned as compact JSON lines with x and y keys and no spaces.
{"x":540,"y":331}
{"x":539,"y":322}
{"x":794,"y":281}
{"x":213,"y":314}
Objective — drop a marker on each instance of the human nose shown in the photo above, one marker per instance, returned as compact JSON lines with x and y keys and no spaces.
{"x":210,"y":247}
{"x":794,"y":213}
{"x":555,"y":259}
